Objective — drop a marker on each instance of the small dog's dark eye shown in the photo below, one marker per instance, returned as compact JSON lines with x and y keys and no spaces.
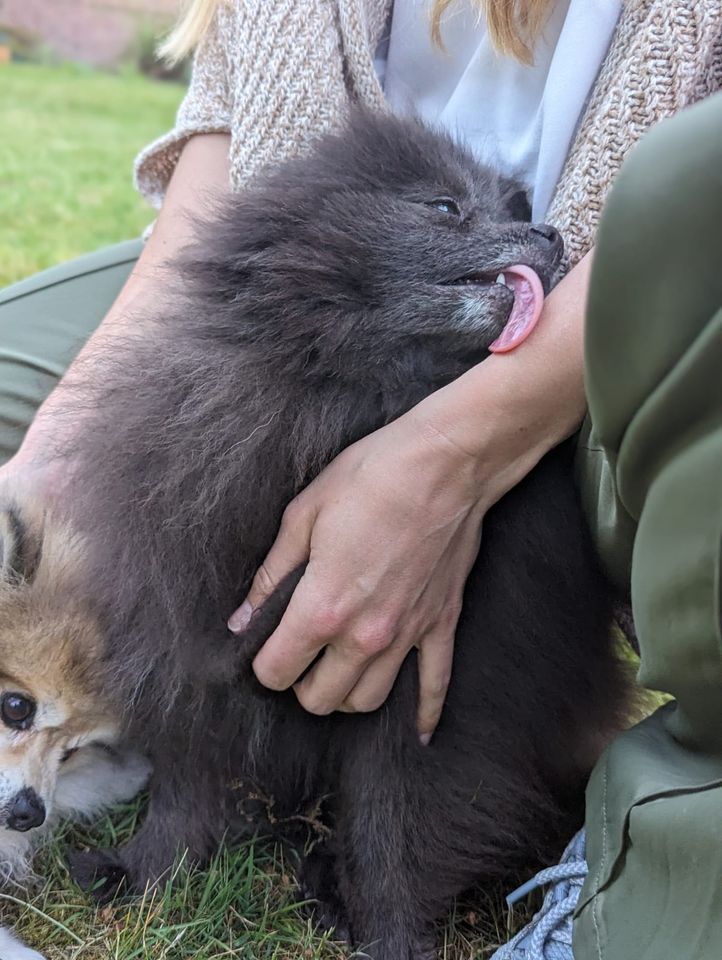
{"x":17,"y":710}
{"x":445,"y":205}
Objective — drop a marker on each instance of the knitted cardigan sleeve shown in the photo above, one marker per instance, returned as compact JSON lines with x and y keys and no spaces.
{"x":270,"y":73}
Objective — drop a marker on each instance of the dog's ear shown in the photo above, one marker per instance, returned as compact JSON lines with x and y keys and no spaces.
{"x":19,"y":549}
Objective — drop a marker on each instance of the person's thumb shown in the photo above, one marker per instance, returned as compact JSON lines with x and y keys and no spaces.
{"x":290,"y":549}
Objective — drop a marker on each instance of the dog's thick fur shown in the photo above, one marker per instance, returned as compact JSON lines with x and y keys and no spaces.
{"x":315,"y":308}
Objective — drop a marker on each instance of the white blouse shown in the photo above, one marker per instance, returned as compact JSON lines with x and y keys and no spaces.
{"x":521,"y":119}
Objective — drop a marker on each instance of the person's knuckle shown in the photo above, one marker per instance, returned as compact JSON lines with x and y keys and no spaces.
{"x":364,"y":701}
{"x":373,"y":637}
{"x":313,"y":703}
{"x":436,"y":686}
{"x":269,"y":678}
{"x":329,"y":618}
{"x":264,"y":581}
{"x":449,"y":616}
{"x":293,"y":515}
{"x":443,"y":623}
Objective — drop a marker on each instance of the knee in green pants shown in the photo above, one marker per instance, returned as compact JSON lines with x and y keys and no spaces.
{"x":654,"y":356}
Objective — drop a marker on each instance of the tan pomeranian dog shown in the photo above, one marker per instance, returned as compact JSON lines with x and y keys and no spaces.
{"x":59,"y":752}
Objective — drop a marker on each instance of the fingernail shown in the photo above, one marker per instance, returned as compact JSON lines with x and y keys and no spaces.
{"x":241,"y":618}
{"x":425,"y":739}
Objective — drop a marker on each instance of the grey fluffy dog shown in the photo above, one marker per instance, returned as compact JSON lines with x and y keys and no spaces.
{"x":316,"y":307}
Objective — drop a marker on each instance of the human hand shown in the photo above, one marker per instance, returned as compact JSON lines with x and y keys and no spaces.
{"x":390,"y":530}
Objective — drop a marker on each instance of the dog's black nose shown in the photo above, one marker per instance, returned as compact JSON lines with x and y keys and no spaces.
{"x":547,"y":233}
{"x":26,"y":811}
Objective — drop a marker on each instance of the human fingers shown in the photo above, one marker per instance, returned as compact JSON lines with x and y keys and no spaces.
{"x":436,"y":653}
{"x":326,"y":686}
{"x":290,"y":549}
{"x":294,"y":644}
{"x":377,"y":680}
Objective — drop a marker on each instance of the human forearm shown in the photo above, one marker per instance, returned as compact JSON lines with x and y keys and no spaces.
{"x":202,"y":171}
{"x":506,"y":413}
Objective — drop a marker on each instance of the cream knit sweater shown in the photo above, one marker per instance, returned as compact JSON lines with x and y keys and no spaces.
{"x":277,"y":73}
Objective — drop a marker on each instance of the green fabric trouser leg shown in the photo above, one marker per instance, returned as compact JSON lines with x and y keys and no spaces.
{"x":651,"y":477}
{"x":650,"y":469}
{"x":44,"y":321}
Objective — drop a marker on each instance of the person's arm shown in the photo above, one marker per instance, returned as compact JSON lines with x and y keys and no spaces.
{"x":391,"y":528}
{"x":202,"y":171}
{"x":510,"y":410}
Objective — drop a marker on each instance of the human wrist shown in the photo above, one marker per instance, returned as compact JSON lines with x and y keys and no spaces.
{"x":503,"y":415}
{"x":486,"y":454}
{"x":494,"y":426}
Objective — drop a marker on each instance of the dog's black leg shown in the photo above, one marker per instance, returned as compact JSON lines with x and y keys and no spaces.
{"x":318,"y":885}
{"x":100,"y":873}
{"x":396,"y":864}
{"x":185,"y":818}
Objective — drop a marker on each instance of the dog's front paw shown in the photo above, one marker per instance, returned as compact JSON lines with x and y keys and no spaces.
{"x":100,"y":873}
{"x":328,"y":915}
{"x":317,"y":888}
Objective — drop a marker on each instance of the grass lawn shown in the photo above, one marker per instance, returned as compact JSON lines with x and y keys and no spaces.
{"x":67,"y":139}
{"x":243,"y":905}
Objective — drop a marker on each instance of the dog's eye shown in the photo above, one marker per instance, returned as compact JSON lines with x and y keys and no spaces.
{"x":17,"y":710}
{"x":445,"y":205}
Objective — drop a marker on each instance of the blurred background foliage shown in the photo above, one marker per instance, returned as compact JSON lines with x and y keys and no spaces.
{"x":81,"y":92}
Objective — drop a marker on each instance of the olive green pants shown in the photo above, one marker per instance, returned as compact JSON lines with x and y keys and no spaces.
{"x":650,"y":471}
{"x":651,"y":476}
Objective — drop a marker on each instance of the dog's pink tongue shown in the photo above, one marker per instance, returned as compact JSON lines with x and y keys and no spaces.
{"x":528,"y":301}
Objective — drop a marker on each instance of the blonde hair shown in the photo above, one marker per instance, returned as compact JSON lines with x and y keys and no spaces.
{"x":192,"y":26}
{"x":513,"y":25}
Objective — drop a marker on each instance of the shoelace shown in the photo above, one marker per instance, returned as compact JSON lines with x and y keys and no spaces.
{"x":549,"y":934}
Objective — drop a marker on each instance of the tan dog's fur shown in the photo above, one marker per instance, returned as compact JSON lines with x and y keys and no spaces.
{"x":49,"y":645}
